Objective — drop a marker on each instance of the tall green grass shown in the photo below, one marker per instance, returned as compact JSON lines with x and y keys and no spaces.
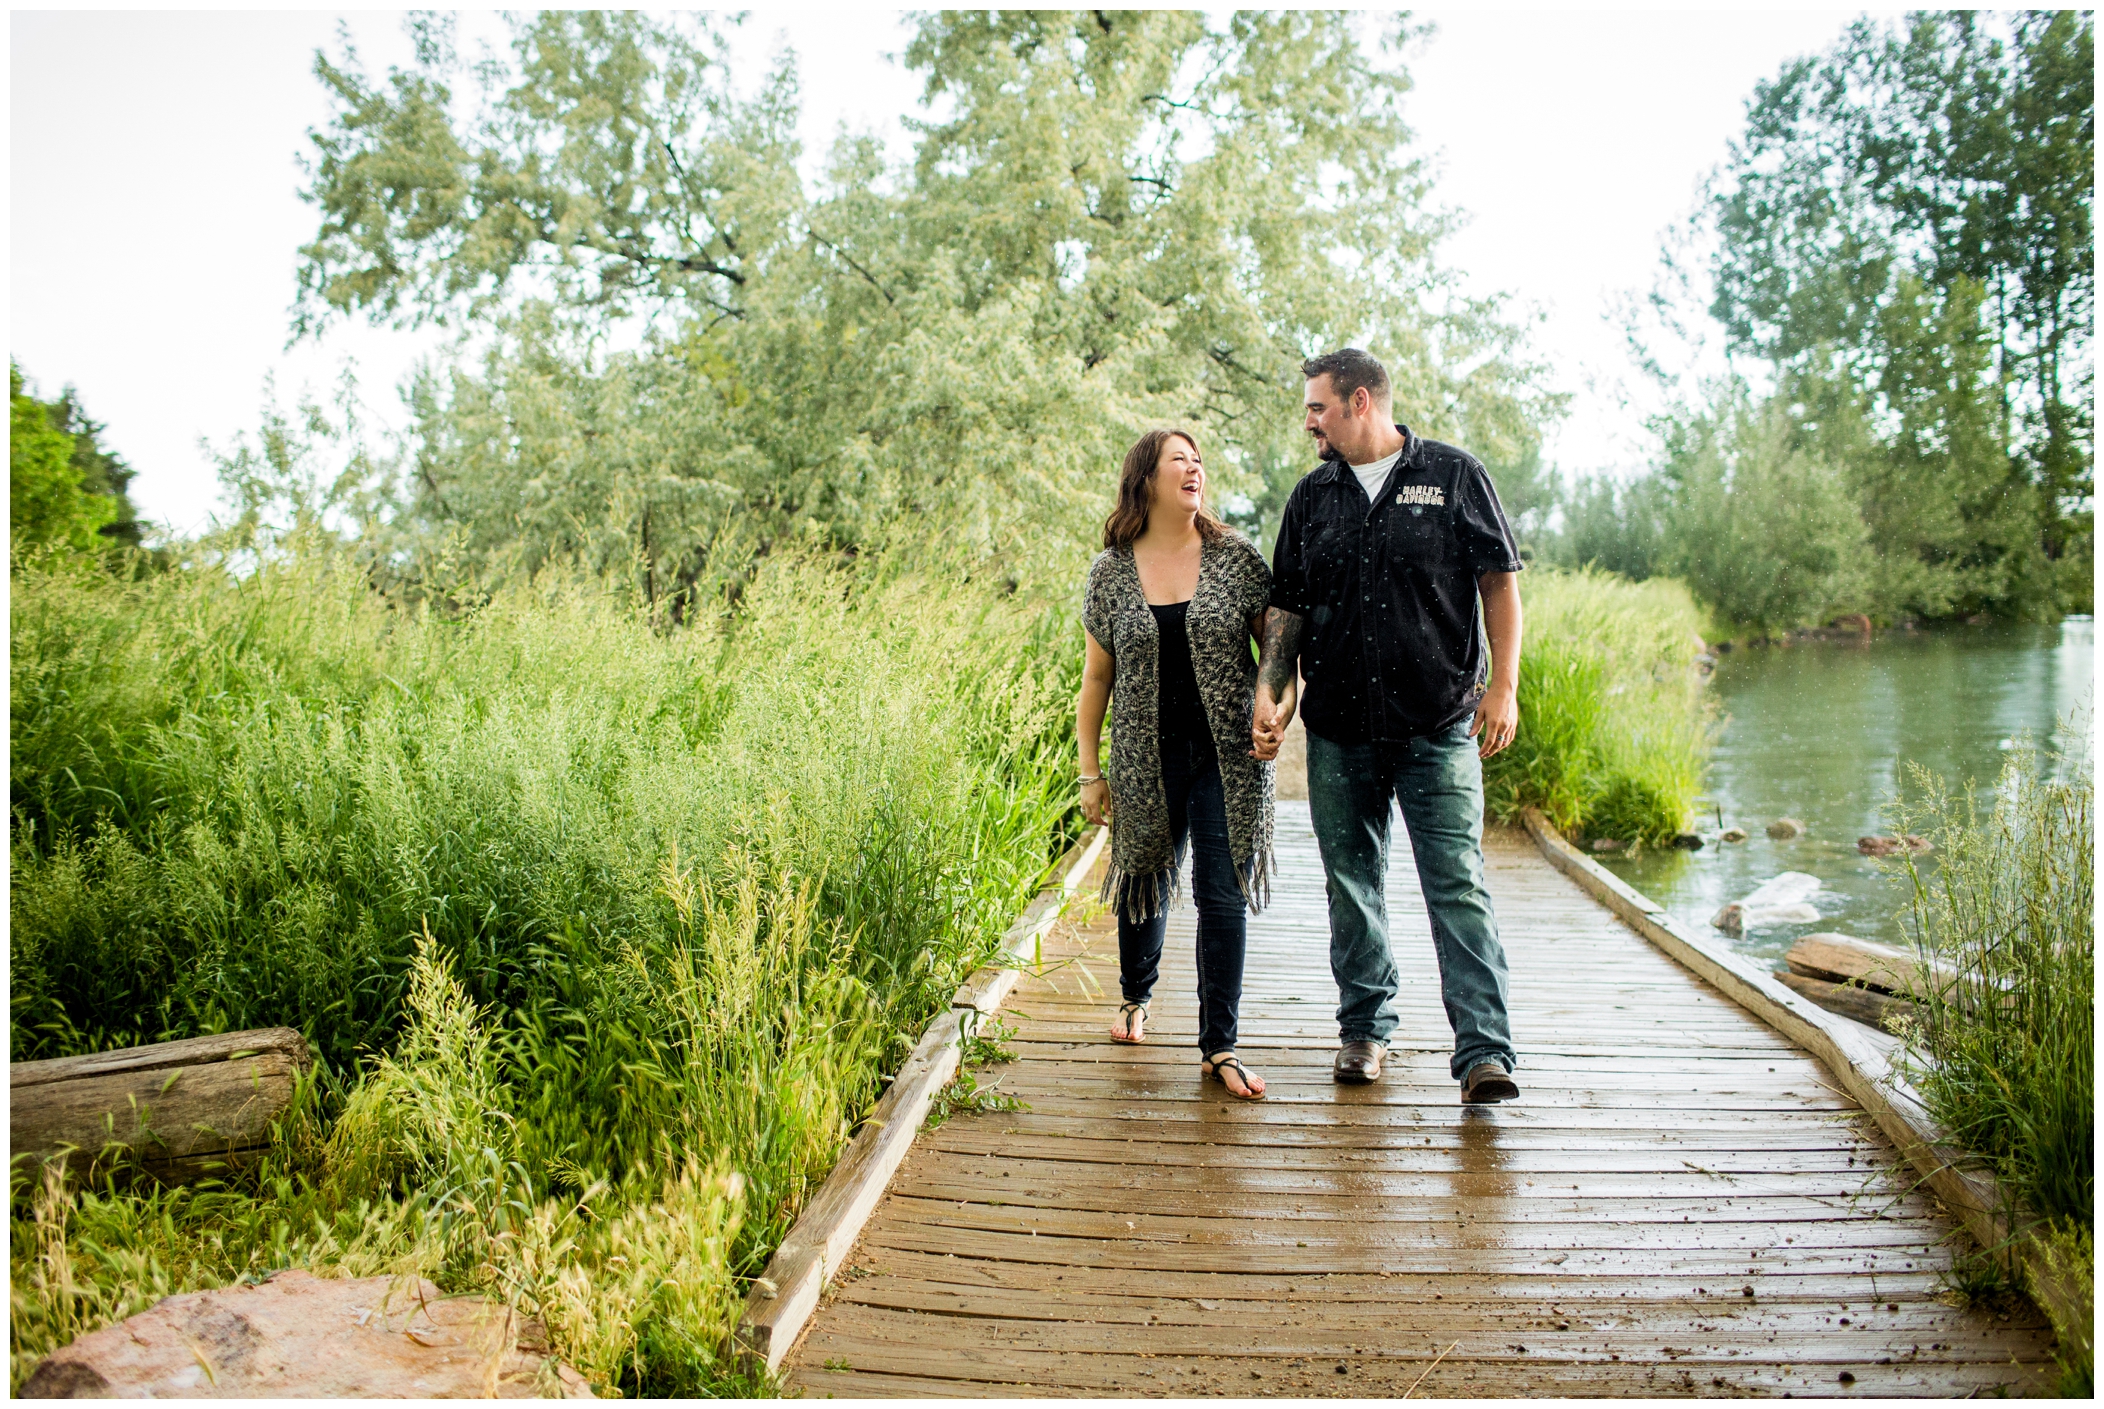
{"x":1614,"y":728}
{"x":603,"y":933}
{"x":2004,"y":1050}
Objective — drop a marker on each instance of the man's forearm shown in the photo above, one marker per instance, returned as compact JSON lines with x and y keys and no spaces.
{"x":1501,"y":621}
{"x":1278,"y":654}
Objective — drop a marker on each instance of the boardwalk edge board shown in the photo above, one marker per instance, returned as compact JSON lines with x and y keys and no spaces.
{"x":782,"y":1300}
{"x":1862,"y":1068}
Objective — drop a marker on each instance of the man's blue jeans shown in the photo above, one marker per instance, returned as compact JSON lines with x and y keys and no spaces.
{"x":1438,"y":780}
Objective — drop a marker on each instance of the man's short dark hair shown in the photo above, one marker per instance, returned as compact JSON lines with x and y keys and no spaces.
{"x":1349,"y":369}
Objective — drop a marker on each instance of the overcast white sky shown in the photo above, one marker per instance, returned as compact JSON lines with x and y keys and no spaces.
{"x":155,"y":215}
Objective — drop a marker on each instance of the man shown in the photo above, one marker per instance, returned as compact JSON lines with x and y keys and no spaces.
{"x":1384,"y":552}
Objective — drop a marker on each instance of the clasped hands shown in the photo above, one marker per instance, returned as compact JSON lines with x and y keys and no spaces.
{"x":1267,"y":725}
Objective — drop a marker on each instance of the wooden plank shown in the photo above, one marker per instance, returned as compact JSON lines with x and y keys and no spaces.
{"x":1670,"y":1152}
{"x":1432,"y":1208}
{"x":1396,"y":1372}
{"x":973,"y":1137}
{"x":1875,"y":1183}
{"x":1345,"y":1255}
{"x":1629,"y":1287}
{"x":1841,"y":958}
{"x":1394,"y":1316}
{"x":1290,"y":1331}
{"x":1318,"y":1235}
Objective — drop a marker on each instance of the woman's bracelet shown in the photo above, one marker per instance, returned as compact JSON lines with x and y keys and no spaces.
{"x":1086,"y":780}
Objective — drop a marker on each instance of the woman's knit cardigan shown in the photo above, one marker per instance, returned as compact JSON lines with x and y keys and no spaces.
{"x":1233,"y":585}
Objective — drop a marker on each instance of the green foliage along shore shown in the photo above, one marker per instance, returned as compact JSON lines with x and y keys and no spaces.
{"x":1900,"y":255}
{"x":1614,"y":725}
{"x":637,"y":917}
{"x":2007,"y":1056}
{"x":63,"y":489}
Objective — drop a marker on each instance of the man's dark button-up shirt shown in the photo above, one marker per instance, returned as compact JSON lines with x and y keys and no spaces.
{"x":1394,"y":647}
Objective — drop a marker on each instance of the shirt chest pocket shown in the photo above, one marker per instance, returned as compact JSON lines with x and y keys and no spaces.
{"x":1417,"y":534}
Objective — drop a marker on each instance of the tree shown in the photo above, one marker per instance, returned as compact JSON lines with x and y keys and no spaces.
{"x":49,"y":504}
{"x":1909,"y":214}
{"x":101,"y":471}
{"x":1763,"y":529}
{"x":1123,"y":218}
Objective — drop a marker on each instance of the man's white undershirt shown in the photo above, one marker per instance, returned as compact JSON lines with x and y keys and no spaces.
{"x":1375,"y":476}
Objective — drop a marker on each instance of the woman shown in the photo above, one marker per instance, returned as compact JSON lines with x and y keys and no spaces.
{"x":1172,"y":604}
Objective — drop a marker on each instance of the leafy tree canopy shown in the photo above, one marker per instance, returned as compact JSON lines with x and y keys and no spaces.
{"x":1903,"y":236}
{"x":1110,"y":220}
{"x":1935,"y":172}
{"x":63,"y":489}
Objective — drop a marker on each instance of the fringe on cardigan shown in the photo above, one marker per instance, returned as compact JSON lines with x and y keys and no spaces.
{"x":1161,"y":891}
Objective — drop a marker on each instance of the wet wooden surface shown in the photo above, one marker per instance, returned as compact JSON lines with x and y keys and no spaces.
{"x":1679,"y":1203}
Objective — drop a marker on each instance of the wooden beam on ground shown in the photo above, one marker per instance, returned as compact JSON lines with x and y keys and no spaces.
{"x":180,"y":1110}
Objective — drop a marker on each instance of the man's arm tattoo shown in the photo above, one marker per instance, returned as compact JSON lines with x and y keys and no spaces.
{"x":1278,"y":657}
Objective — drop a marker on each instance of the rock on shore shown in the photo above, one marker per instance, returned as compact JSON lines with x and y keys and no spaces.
{"x":299,"y":1336}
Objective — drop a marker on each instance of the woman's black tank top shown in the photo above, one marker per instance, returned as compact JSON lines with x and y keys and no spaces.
{"x":1182,"y":712}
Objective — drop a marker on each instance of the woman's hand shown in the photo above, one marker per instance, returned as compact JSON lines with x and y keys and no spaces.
{"x":1268,"y":721}
{"x":1095,"y":803}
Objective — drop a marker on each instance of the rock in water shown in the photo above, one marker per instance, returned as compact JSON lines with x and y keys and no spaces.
{"x":1784,"y":828}
{"x":1779,"y":900}
{"x":1733,"y":834}
{"x":1687,"y":841}
{"x":299,"y":1336}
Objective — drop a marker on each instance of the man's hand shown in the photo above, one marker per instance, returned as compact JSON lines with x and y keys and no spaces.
{"x":1278,"y":680}
{"x":1267,"y":729}
{"x":1497,"y":721}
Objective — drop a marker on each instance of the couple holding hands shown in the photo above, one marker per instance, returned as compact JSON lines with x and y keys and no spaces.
{"x":1383,"y":555}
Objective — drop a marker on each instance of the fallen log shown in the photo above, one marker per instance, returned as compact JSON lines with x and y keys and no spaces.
{"x":1865,"y":1005}
{"x":1842,"y":958}
{"x":178,"y":1110}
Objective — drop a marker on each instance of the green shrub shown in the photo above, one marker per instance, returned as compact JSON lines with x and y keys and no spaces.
{"x":604,"y":934}
{"x":1613,"y":724}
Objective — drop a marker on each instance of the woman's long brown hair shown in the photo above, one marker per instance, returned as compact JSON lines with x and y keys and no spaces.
{"x":1136,"y":491}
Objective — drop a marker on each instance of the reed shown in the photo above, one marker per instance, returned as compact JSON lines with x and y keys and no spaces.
{"x":603,"y":933}
{"x":1614,"y":725}
{"x":2003,"y":1051}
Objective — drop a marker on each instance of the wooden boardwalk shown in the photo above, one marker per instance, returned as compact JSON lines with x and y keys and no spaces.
{"x":1680,"y":1203}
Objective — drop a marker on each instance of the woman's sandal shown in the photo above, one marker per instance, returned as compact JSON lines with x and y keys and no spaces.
{"x":1211,"y":1067}
{"x":1131,"y":1024}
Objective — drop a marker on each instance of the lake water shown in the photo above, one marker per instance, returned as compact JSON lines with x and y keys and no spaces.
{"x":1823,"y":731}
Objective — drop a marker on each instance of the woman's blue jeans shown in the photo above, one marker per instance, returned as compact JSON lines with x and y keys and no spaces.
{"x":1197,"y":810}
{"x":1438,"y":779}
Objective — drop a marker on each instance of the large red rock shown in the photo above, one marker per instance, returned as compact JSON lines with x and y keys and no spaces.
{"x":296,"y":1335}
